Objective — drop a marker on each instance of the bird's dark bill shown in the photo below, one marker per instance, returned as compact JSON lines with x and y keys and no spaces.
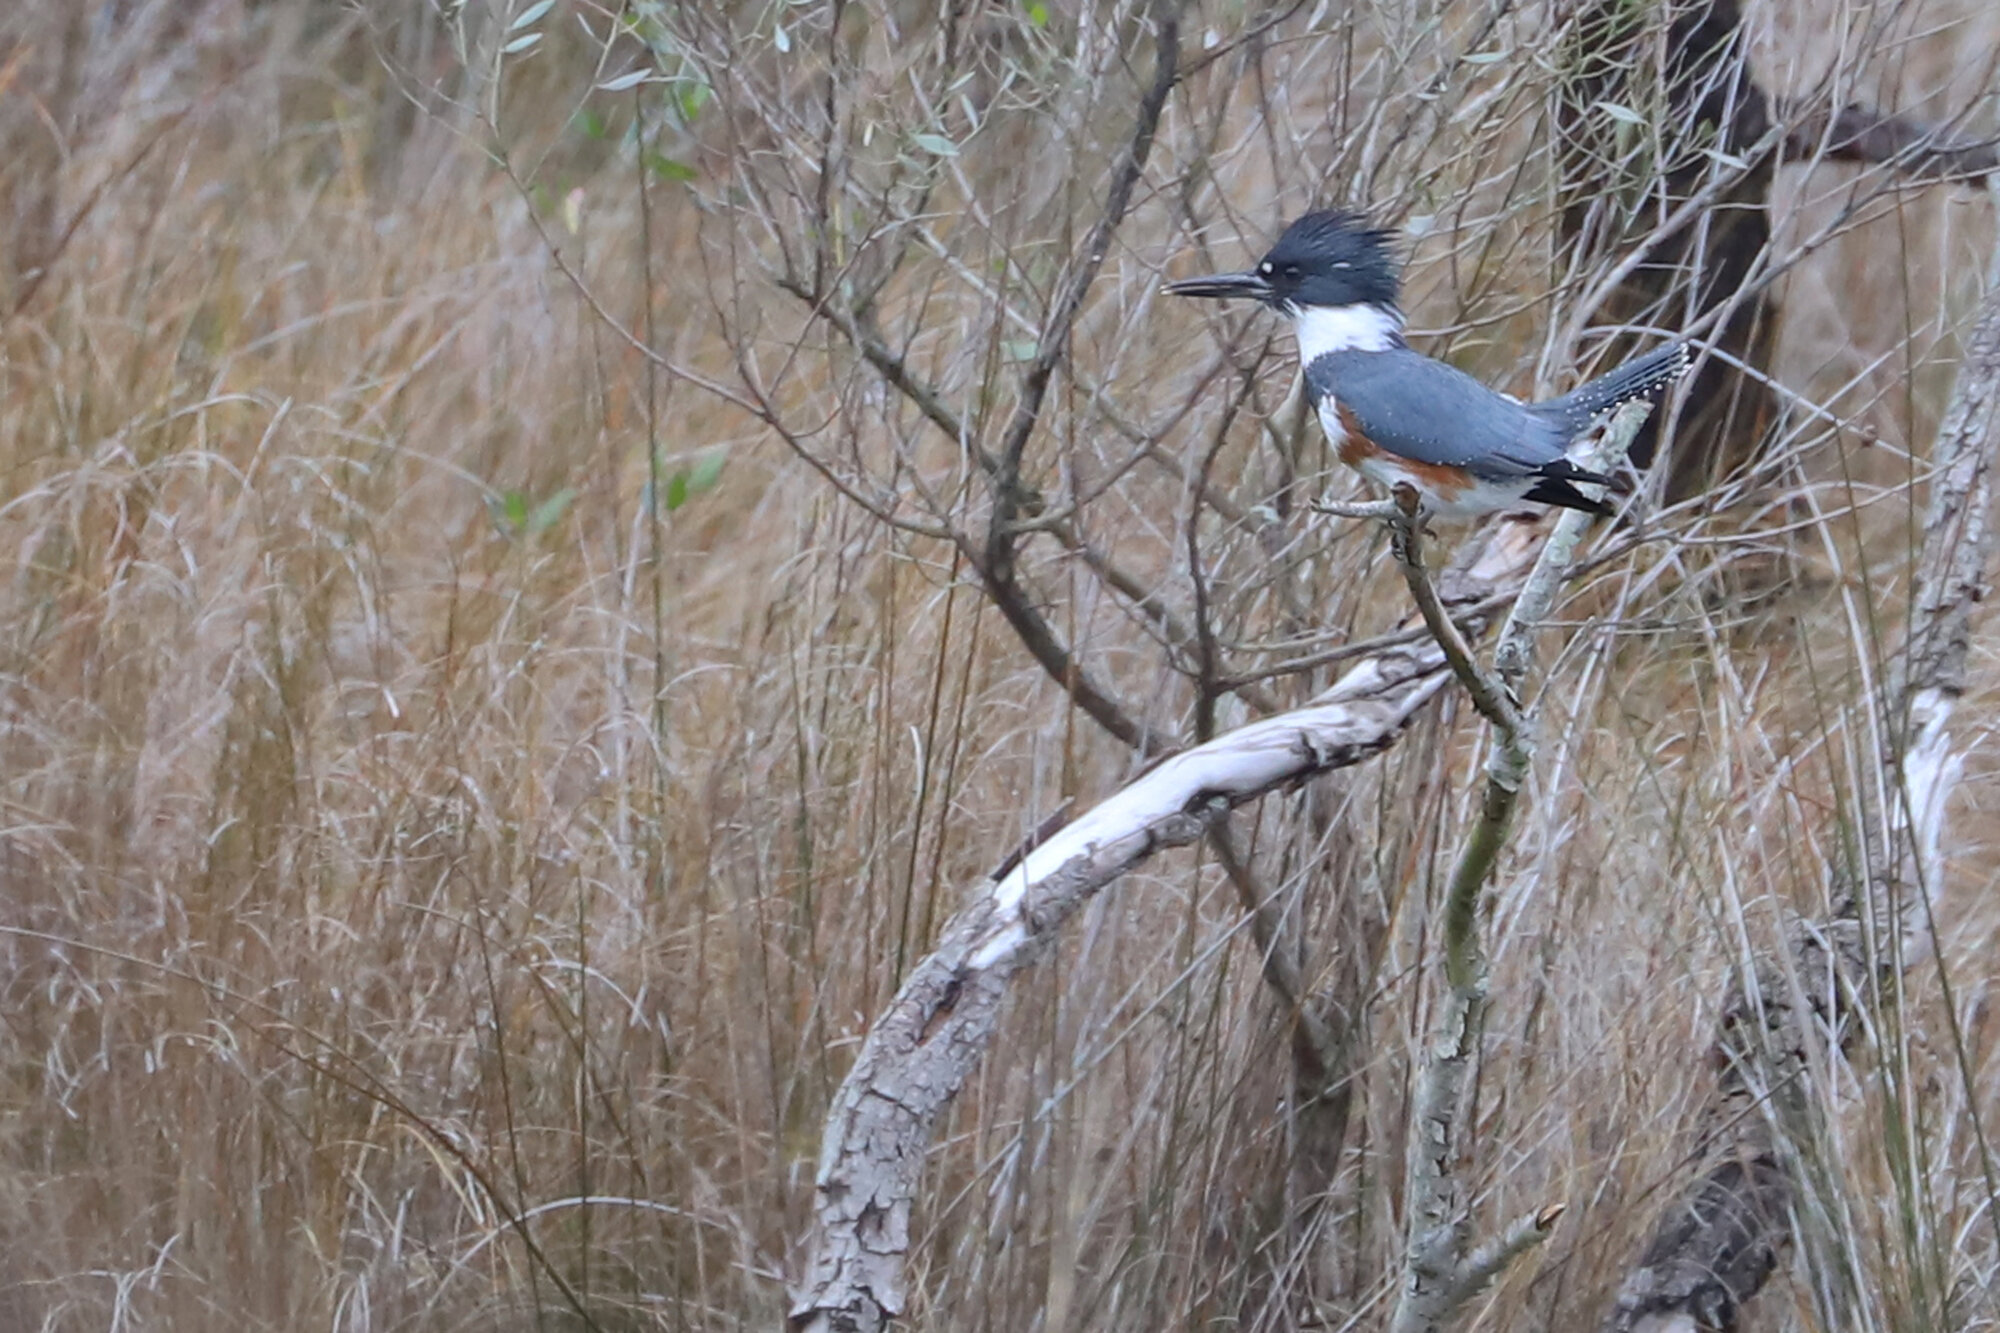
{"x":1249,"y":285}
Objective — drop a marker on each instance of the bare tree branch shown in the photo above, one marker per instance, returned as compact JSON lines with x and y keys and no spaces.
{"x":920,"y":1051}
{"x":1488,"y":696}
{"x":996,"y":560}
{"x":1061,"y":317}
{"x":1441,"y":1269}
{"x":1917,"y":151}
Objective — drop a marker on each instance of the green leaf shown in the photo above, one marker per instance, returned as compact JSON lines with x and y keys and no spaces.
{"x":591,"y":124}
{"x":782,"y":39}
{"x":520,"y":44}
{"x":935,"y":143}
{"x":549,"y":512}
{"x":1038,"y":13}
{"x":1019,"y":349}
{"x":514,"y":508}
{"x":1485,"y":57}
{"x":677,"y":491}
{"x":666,"y":168}
{"x":1624,"y":115}
{"x":530,"y":14}
{"x":708,"y":471}
{"x":631,"y":79}
{"x":692,"y":95}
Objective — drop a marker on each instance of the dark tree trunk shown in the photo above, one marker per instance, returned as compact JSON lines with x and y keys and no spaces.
{"x":1619,"y":186}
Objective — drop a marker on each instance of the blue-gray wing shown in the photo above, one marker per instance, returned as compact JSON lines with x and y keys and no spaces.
{"x":1428,"y":411}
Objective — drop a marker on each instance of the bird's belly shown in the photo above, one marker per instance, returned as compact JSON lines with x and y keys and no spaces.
{"x":1447,"y":492}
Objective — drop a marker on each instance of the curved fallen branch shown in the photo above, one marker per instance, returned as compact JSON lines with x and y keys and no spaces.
{"x":924,"y":1046}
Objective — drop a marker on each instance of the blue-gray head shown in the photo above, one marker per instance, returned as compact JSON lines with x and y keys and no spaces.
{"x":1326,"y":260}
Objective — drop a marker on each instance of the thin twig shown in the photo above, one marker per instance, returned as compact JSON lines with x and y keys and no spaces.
{"x":1406,"y":540}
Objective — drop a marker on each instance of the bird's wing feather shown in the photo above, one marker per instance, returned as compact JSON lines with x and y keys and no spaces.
{"x":1425,"y":410}
{"x":1575,"y":411}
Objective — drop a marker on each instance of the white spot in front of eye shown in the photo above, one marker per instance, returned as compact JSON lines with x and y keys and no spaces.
{"x":1265,"y":268}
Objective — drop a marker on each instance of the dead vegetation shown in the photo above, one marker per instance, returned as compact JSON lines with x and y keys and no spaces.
{"x":522,"y":613}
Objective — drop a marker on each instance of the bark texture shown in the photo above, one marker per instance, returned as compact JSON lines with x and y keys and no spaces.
{"x":925,"y":1045}
{"x":1704,"y":159}
{"x":1616,"y":186}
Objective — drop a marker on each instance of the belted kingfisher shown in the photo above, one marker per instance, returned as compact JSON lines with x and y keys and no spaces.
{"x":1394,"y":414}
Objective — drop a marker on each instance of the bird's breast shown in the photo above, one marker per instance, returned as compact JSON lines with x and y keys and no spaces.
{"x":1351,"y":442}
{"x":1443,"y":489}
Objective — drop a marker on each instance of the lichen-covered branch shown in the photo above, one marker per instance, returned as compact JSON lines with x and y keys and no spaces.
{"x":1441,"y":1267}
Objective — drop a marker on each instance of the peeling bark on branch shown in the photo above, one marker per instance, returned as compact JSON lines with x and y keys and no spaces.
{"x":1713,"y":1249}
{"x":920,"y":1052}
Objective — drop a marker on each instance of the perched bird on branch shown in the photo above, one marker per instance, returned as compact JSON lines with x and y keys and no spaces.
{"x":1400,"y":417}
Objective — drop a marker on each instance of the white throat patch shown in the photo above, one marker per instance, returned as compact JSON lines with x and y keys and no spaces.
{"x":1345,"y":328}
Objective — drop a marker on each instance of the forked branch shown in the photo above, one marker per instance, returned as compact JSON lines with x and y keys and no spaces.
{"x":924,"y":1046}
{"x":1442,"y":1269}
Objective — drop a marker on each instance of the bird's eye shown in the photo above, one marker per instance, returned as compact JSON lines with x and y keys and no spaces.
{"x":1291,"y":270}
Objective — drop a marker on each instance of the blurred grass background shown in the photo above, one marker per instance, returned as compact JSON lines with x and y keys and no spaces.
{"x":453,"y":768}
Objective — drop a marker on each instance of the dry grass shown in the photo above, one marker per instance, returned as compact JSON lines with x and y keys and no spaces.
{"x":407,"y":833}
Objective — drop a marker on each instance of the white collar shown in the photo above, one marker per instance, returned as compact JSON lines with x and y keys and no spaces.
{"x":1345,"y":328}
